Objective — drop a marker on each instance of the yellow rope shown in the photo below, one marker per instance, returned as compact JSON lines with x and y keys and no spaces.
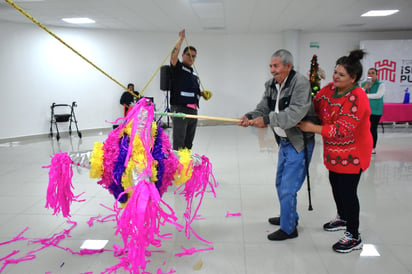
{"x":90,"y":62}
{"x":158,"y":69}
{"x":164,"y":60}
{"x":193,"y":62}
{"x":64,"y":43}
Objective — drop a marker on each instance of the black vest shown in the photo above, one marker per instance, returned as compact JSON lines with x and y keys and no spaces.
{"x":185,"y":85}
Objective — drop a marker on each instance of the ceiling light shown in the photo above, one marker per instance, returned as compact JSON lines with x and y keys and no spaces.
{"x":209,"y":10}
{"x":79,"y":20}
{"x":372,"y":13}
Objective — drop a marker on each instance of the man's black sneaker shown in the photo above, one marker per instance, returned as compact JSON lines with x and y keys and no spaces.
{"x":335,"y":225}
{"x":347,"y":243}
{"x":281,"y":235}
{"x":274,"y":221}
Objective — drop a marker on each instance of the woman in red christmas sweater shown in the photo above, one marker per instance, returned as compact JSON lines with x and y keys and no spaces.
{"x":343,"y":108}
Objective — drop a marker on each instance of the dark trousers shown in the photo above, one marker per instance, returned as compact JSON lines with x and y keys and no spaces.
{"x":344,"y":189}
{"x":374,"y":127}
{"x":184,"y":129}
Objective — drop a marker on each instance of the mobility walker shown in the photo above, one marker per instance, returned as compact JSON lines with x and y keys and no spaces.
{"x":61,"y":113}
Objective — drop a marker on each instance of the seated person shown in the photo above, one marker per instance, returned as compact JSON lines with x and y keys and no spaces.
{"x":128,"y":100}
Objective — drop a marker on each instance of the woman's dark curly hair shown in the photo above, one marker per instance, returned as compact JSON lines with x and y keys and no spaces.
{"x":352,"y":63}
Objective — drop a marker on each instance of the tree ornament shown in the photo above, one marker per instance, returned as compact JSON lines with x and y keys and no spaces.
{"x":314,"y":77}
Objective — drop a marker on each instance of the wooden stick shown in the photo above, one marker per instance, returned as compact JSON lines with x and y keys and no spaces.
{"x":183,"y":115}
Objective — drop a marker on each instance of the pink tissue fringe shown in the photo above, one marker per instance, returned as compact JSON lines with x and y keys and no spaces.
{"x":196,"y":187}
{"x":59,"y":191}
{"x":111,"y":152}
{"x":139,"y":224}
{"x":47,"y":242}
{"x":171,"y":164}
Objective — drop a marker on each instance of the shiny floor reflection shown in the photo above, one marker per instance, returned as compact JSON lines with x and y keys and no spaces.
{"x":244,"y":165}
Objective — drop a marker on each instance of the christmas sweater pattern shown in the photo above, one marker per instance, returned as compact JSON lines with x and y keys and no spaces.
{"x":345,"y":129}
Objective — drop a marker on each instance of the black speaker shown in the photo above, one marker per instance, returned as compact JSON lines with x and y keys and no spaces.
{"x":165,"y":83}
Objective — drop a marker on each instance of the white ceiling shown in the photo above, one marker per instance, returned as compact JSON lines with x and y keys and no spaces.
{"x":216,"y":16}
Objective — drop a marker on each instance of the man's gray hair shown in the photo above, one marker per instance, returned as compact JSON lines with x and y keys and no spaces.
{"x":284,"y":55}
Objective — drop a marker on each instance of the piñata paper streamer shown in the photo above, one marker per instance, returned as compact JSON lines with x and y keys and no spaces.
{"x":233,"y":214}
{"x":191,"y":251}
{"x":111,"y":151}
{"x":201,"y":180}
{"x":59,"y":191}
{"x":54,"y":241}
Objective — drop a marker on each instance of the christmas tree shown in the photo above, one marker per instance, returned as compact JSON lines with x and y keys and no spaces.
{"x":314,"y":75}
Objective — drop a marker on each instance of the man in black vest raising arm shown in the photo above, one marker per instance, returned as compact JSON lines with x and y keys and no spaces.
{"x":185,"y":94}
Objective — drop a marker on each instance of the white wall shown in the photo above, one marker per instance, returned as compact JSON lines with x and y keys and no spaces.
{"x":37,"y":70}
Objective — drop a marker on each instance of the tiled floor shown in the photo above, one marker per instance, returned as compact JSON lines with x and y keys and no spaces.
{"x":244,"y":164}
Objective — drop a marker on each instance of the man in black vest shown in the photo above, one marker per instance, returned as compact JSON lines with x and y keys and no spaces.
{"x":185,"y":94}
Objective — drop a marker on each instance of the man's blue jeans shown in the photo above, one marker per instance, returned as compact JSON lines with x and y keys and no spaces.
{"x":291,"y":173}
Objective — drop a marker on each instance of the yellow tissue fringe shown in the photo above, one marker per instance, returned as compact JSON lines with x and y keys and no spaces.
{"x":137,"y":161}
{"x":96,"y":161}
{"x":154,"y":130}
{"x":186,"y":167}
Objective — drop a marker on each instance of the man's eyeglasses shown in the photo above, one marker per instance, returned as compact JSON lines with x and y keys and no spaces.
{"x":192,"y":56}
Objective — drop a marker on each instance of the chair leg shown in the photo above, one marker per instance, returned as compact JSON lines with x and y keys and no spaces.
{"x":58,"y":133}
{"x":51,"y":130}
{"x":51,"y":126}
{"x":75,"y":123}
{"x":70,"y":126}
